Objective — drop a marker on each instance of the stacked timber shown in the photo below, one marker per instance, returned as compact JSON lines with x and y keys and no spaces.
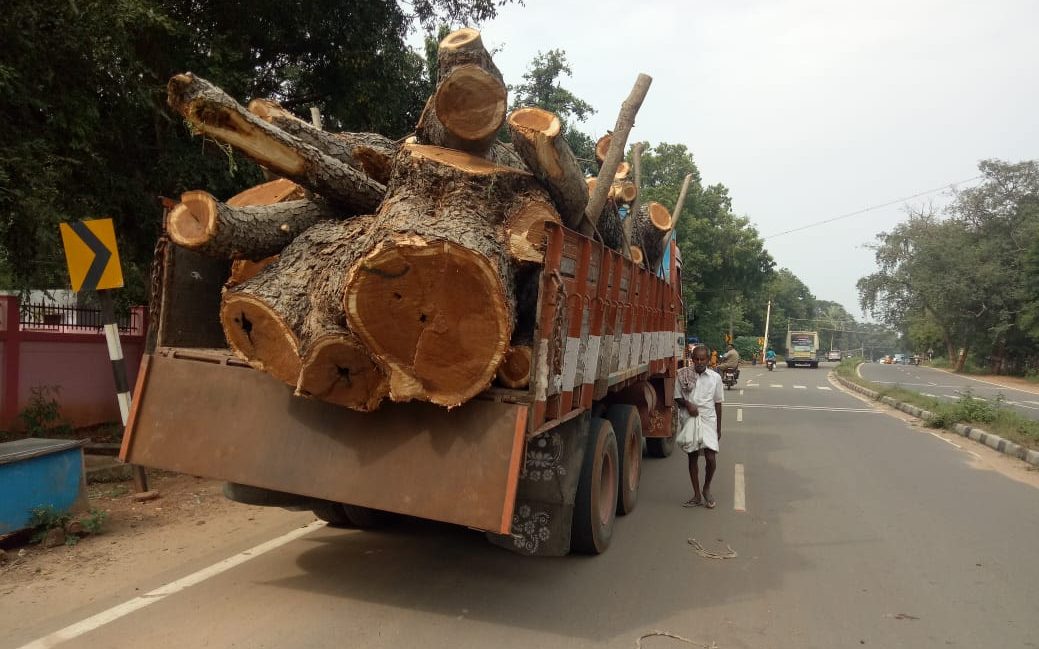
{"x":374,"y":269}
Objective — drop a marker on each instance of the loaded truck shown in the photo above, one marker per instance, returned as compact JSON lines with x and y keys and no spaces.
{"x":802,"y":348}
{"x":542,"y":470}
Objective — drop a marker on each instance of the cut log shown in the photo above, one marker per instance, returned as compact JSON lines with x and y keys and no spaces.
{"x":243,"y":269}
{"x":635,"y":254}
{"x":469,"y":104}
{"x":274,"y":191}
{"x":514,"y":371}
{"x":623,"y":170}
{"x":652,"y":224}
{"x":204,"y":224}
{"x":464,"y":47}
{"x":615,"y":151}
{"x":538,"y":138}
{"x":293,"y":308}
{"x":433,"y":293}
{"x":505,"y":155}
{"x":525,"y":234}
{"x":602,"y":145}
{"x":217,"y":115}
{"x":624,"y":192}
{"x":367,"y":152}
{"x":591,"y":183}
{"x":636,"y":166}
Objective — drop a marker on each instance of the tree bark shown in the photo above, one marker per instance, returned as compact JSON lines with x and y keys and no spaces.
{"x":432,"y":294}
{"x":538,"y":138}
{"x":470,"y":101}
{"x":610,"y":228}
{"x":636,"y":167}
{"x":666,"y":236}
{"x":204,"y":224}
{"x":618,"y":139}
{"x":514,"y":371}
{"x":219,"y":116}
{"x":288,"y":319}
{"x":368,"y":152}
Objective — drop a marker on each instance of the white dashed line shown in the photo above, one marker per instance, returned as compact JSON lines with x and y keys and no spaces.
{"x":776,"y":385}
{"x":739,"y":494}
{"x":739,"y":414}
{"x":823,"y":387}
{"x":800,"y":387}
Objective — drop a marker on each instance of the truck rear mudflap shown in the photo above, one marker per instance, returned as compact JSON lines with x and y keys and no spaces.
{"x":203,"y":413}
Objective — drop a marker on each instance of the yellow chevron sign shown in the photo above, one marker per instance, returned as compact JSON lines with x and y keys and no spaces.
{"x":91,"y":255}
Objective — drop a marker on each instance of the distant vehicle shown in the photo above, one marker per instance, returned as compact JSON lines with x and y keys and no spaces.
{"x":899,"y":359}
{"x":886,"y":360}
{"x":834,"y":355}
{"x":802,"y":348}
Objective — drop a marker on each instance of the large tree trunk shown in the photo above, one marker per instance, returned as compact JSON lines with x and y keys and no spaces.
{"x":204,"y":224}
{"x":288,"y":319}
{"x":468,"y":106}
{"x":538,"y":138}
{"x":268,"y":193}
{"x":219,"y":116}
{"x":368,"y":152}
{"x":433,"y":293}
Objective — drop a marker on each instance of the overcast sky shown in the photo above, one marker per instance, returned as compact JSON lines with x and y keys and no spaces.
{"x":805,"y":109}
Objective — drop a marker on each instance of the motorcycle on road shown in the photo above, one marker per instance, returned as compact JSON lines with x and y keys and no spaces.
{"x":770,"y":364}
{"x":729,"y":377}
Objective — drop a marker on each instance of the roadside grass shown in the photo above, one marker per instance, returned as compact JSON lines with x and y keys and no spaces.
{"x":971,"y":369}
{"x":993,"y":416}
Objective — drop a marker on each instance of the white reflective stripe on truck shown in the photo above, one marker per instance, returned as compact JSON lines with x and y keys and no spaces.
{"x":570,"y":359}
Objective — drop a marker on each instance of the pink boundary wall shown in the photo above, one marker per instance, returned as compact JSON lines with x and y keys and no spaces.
{"x":77,"y":363}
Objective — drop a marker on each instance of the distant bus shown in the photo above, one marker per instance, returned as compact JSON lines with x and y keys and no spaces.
{"x":802,"y":348}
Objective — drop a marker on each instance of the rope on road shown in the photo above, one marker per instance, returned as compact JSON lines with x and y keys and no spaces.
{"x":665,"y":634}
{"x":707,"y":554}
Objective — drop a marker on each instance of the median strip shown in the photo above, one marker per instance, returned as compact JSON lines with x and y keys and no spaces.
{"x":966,"y":429}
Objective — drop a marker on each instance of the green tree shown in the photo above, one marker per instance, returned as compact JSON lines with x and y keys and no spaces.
{"x":542,"y":87}
{"x":82,"y":89}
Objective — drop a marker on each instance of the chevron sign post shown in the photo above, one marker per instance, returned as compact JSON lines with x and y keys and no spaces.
{"x":93,"y":261}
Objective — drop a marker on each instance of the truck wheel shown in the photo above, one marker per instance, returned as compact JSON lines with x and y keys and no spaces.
{"x":333,"y":514}
{"x":352,"y":516}
{"x":627,"y":427}
{"x":595,"y":509}
{"x":790,"y":364}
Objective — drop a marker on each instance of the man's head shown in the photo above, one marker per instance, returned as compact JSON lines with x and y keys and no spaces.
{"x":730,"y":347}
{"x":700,"y":359}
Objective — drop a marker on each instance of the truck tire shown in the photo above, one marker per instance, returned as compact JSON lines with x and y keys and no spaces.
{"x":351,"y":516}
{"x":627,"y":427}
{"x":595,"y":509}
{"x":815,"y":365}
{"x":333,"y":514}
{"x":790,"y":364}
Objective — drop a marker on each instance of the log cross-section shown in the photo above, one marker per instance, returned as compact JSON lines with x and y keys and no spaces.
{"x":537,"y":135}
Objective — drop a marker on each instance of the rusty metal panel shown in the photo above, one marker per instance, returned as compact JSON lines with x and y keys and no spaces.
{"x":191,"y":285}
{"x":236,"y":424}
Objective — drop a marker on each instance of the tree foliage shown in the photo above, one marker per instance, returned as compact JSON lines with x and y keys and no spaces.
{"x":82,"y":90}
{"x":969,"y":278}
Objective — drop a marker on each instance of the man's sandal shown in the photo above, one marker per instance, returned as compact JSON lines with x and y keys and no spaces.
{"x":692,"y":502}
{"x":711,"y":504}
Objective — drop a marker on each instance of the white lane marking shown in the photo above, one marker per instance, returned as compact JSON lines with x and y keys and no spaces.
{"x":741,"y":392}
{"x":944,"y":440}
{"x":739,"y":414}
{"x":776,"y":385}
{"x":121,"y":610}
{"x":800,"y":387}
{"x":928,"y":394}
{"x":1033,"y":402}
{"x":739,"y":494}
{"x":821,"y":408}
{"x":752,"y":385}
{"x":824,"y":387}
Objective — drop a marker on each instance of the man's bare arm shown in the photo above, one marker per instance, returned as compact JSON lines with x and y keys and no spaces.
{"x":718,"y":415}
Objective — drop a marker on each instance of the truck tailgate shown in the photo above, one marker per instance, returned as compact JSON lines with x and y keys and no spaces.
{"x":210,"y":417}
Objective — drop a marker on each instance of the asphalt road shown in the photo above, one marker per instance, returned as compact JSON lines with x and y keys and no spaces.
{"x":858,"y":530}
{"x":944,"y":385}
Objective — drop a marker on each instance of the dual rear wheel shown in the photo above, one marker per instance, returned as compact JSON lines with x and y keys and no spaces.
{"x":609,"y":481}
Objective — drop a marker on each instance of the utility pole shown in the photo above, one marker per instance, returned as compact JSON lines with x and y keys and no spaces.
{"x":768,"y":317}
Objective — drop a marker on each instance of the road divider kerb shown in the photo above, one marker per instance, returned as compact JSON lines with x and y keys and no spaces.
{"x":991,"y":440}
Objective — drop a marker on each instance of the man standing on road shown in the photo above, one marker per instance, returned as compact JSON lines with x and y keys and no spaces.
{"x":700,"y":396}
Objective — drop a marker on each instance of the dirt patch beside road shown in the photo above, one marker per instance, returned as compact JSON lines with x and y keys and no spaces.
{"x":141,"y":545}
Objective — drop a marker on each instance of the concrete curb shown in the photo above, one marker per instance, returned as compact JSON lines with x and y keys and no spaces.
{"x":994,"y":442}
